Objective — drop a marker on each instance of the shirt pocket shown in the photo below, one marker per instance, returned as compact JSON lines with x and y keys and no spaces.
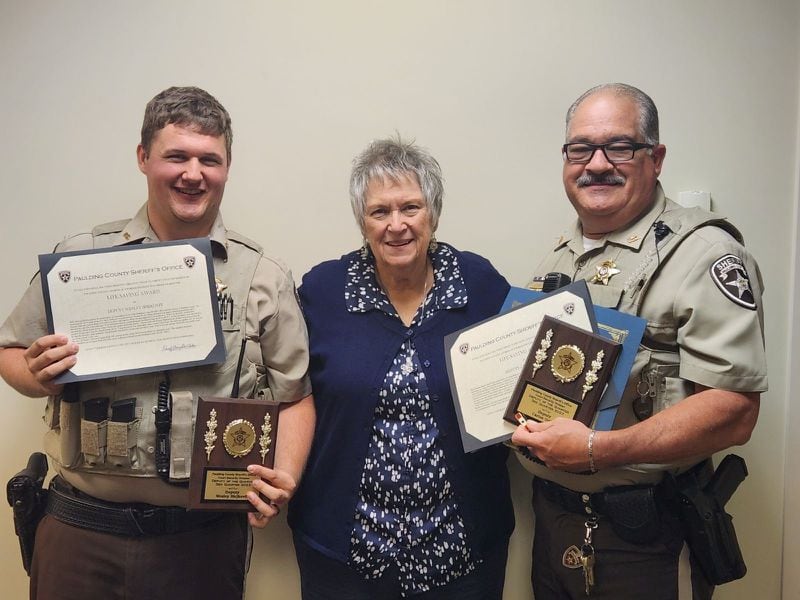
{"x":607,"y":296}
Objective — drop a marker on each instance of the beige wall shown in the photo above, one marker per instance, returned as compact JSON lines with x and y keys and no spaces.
{"x":483,"y":85}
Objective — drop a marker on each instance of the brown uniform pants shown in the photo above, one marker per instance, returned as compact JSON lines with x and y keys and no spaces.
{"x":622,"y":571}
{"x":70,"y":563}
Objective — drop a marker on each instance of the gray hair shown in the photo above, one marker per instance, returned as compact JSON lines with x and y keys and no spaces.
{"x":648,"y":113}
{"x":188,"y":107}
{"x":392,"y":159}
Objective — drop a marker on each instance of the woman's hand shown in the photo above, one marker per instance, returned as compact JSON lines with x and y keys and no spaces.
{"x":272,"y":488}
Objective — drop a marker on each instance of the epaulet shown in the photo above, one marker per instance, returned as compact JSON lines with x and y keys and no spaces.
{"x":112,"y":227}
{"x":684,"y":221}
{"x":245,"y":241}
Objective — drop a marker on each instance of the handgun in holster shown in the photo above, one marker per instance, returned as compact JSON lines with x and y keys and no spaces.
{"x":28,"y":500}
{"x":708,"y":528}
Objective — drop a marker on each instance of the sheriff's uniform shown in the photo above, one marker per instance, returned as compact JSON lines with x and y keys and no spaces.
{"x":260,"y":308}
{"x":688,"y":274}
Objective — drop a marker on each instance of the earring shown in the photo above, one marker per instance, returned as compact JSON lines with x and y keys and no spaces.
{"x":364,"y":252}
{"x":433,"y":245}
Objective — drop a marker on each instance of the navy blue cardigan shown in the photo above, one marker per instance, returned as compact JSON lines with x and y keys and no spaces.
{"x":350,"y":356}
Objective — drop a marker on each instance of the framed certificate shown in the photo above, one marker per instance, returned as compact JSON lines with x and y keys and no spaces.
{"x":134,"y":309}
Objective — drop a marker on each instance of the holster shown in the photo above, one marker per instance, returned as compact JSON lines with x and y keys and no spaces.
{"x":28,"y":500}
{"x":708,"y":528}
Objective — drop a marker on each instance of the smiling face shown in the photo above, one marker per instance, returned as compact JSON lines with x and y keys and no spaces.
{"x":609,"y":196}
{"x":397,"y":225}
{"x":186,"y":174}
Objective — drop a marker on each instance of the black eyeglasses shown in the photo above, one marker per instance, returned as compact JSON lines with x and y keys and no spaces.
{"x":615,"y":152}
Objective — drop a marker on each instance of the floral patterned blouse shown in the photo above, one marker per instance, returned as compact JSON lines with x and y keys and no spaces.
{"x":406,"y":514}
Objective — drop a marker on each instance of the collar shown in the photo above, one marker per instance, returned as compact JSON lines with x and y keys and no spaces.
{"x":362,"y":292}
{"x":139,"y":231}
{"x":630,"y":236}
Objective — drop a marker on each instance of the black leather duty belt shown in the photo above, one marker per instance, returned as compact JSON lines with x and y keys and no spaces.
{"x":132,"y":520}
{"x":582,"y":503}
{"x":618,"y":502}
{"x":606,"y":503}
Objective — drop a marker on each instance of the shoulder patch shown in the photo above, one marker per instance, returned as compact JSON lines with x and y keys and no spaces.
{"x":730,"y":275}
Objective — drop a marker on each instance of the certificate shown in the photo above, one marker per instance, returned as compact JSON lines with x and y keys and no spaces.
{"x":134,"y":309}
{"x":484,"y":361}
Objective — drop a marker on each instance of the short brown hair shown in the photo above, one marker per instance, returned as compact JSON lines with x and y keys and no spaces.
{"x":186,"y":106}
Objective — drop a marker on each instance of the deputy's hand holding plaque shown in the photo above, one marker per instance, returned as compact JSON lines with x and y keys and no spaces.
{"x":229,"y":435}
{"x":564,"y":375}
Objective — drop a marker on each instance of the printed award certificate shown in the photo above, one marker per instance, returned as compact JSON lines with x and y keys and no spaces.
{"x":134,"y":309}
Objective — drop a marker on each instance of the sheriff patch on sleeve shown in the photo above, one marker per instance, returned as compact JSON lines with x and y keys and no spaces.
{"x":731,"y":277}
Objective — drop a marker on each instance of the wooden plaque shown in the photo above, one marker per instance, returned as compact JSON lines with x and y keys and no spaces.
{"x":229,"y":435}
{"x":564,"y":375}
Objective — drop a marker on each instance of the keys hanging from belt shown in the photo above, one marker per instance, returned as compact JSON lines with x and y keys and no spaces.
{"x":225,"y":304}
{"x":587,"y":555}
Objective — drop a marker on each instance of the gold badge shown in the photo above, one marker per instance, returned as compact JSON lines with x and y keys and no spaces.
{"x":239,"y":437}
{"x":605,"y":271}
{"x":567,"y":363}
{"x":571,"y":558}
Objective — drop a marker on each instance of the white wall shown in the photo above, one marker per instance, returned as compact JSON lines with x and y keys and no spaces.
{"x":483,"y":85}
{"x":791,"y":541}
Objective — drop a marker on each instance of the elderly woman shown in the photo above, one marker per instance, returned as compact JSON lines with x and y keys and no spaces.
{"x":390,"y":505}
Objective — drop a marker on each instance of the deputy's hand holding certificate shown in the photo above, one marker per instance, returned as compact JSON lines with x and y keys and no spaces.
{"x":134,"y":309}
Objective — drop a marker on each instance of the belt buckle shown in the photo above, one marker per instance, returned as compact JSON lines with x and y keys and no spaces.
{"x":151,"y":521}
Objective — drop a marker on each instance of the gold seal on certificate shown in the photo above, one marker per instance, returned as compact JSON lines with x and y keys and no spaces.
{"x":580,"y":363}
{"x":246,"y":429}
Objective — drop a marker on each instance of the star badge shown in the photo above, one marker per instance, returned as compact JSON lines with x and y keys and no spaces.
{"x":605,"y":271}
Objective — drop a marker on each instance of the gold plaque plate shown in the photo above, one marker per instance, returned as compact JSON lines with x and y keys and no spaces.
{"x":541,"y":405}
{"x":225,"y":485}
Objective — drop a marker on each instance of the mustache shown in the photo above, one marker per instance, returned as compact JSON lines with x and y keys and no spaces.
{"x":607,"y":179}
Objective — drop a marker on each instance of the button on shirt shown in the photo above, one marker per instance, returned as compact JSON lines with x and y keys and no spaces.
{"x":406,"y":513}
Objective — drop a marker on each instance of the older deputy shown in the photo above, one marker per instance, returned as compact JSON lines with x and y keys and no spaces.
{"x":696,"y":382}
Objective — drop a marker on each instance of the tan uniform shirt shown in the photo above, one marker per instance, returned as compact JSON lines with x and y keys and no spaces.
{"x":276,"y":355}
{"x":703,"y":310}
